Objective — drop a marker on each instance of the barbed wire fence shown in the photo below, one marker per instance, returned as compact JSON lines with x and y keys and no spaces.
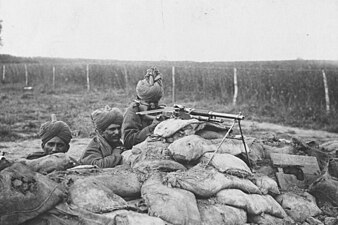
{"x":305,"y":88}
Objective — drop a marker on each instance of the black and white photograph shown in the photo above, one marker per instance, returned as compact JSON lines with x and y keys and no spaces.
{"x":168,"y":112}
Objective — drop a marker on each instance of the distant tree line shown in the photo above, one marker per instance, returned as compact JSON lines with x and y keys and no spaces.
{"x":8,"y":59}
{"x":292,"y":65}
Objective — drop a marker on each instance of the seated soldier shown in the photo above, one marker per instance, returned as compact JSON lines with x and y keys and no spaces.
{"x":105,"y":148}
{"x":136,"y":128}
{"x":55,"y":136}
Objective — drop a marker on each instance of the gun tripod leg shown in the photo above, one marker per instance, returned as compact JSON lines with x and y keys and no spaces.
{"x":228,"y":132}
{"x":246,"y":151}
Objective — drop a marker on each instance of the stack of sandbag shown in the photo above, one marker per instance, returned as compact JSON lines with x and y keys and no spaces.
{"x":201,"y":188}
{"x":99,"y":196}
{"x":299,"y":206}
{"x":210,"y":186}
{"x":153,"y":154}
{"x":174,"y":205}
{"x":173,"y":177}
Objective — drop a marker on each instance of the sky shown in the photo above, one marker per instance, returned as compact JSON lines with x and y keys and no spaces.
{"x":175,"y":30}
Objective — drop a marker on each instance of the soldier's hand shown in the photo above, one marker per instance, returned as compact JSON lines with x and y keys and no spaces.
{"x":119,"y":149}
{"x":155,"y":122}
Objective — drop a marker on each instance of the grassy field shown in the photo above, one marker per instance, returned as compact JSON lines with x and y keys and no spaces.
{"x":22,"y":112}
{"x":286,"y":92}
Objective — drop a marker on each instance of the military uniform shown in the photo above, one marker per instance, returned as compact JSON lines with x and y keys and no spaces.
{"x":94,"y":154}
{"x":135,"y":128}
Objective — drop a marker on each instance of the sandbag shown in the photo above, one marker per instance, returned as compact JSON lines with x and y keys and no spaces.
{"x":128,"y":157}
{"x":190,"y":148}
{"x":65,"y":214}
{"x":256,"y":151}
{"x":134,"y":218}
{"x":74,"y":173}
{"x":227,"y":163}
{"x":213,"y":213}
{"x":173,"y":205}
{"x":95,"y":197}
{"x":164,"y":165}
{"x":24,"y":194}
{"x":56,"y":217}
{"x":325,"y":188}
{"x":266,"y":219}
{"x":333,"y":167}
{"x":230,"y":146}
{"x":206,"y":182}
{"x":150,"y":150}
{"x":169,"y":127}
{"x":252,"y":203}
{"x":50,"y":163}
{"x":298,"y":207}
{"x":210,"y":135}
{"x":330,"y":147}
{"x":122,"y":180}
{"x":152,"y":155}
{"x":265,"y":184}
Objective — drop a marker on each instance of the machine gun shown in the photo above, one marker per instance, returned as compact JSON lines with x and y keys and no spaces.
{"x":179,"y":111}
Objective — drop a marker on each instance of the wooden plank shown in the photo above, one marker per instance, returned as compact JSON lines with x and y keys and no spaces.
{"x":308,"y":164}
{"x":288,"y":181}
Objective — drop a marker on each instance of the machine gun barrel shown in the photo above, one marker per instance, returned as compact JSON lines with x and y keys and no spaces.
{"x":207,"y":113}
{"x":200,"y":114}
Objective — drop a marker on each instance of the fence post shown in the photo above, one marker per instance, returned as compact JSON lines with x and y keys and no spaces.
{"x":3,"y":73}
{"x":174,"y":85}
{"x":87,"y":71}
{"x":235,"y":87}
{"x":327,"y":99}
{"x":26,"y":75}
{"x":53,"y":77}
{"x":126,"y":79}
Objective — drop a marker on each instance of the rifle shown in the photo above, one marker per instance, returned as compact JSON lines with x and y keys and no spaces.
{"x":182,"y":112}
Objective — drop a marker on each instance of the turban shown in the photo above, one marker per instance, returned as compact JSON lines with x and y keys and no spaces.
{"x":52,"y":129}
{"x":150,"y":89}
{"x":103,"y":118}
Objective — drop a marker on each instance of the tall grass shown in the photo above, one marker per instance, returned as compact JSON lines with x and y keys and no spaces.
{"x":294,"y":95}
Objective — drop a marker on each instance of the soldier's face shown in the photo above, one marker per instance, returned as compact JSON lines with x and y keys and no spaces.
{"x":152,"y":105}
{"x":112,"y":133}
{"x":55,"y":145}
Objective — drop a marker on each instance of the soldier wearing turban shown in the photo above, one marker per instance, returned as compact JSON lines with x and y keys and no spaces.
{"x":55,"y":136}
{"x":136,"y":128}
{"x":105,"y":148}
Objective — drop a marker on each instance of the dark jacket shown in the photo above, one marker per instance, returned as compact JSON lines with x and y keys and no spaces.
{"x":135,"y":128}
{"x":94,"y":154}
